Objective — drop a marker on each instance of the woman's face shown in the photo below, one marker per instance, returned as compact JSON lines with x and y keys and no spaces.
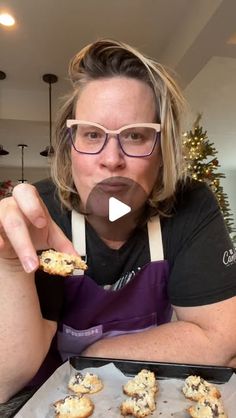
{"x":114,"y":103}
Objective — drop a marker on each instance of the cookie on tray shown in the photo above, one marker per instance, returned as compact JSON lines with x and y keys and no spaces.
{"x":85,"y":383}
{"x":195,"y":388}
{"x":144,"y":380}
{"x":207,"y":407}
{"x":54,"y":262}
{"x":139,"y":405}
{"x":74,"y":406}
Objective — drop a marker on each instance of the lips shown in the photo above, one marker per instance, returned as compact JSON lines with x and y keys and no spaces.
{"x":99,"y":206}
{"x":113,"y":188}
{"x":114,"y":185}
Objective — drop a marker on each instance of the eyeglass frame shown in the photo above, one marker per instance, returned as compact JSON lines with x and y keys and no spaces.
{"x":156,"y":126}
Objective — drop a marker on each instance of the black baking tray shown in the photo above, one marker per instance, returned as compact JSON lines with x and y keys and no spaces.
{"x":215,"y":374}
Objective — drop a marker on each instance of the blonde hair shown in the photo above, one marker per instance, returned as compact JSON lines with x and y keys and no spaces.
{"x":109,"y":58}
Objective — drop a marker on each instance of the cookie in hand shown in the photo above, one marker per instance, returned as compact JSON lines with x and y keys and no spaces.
{"x":54,"y":262}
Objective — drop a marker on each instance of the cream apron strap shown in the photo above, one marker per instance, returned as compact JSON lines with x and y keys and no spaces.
{"x":78,"y":235}
{"x":155,"y":239}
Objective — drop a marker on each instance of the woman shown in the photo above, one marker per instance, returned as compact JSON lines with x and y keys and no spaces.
{"x":118,"y":136}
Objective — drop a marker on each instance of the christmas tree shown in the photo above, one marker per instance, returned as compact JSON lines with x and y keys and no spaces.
{"x":202,"y":165}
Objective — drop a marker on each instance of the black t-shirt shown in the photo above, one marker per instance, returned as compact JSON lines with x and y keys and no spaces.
{"x":196,"y":244}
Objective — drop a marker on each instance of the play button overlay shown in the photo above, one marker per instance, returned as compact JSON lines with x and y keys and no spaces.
{"x":114,"y":207}
{"x":117,"y":209}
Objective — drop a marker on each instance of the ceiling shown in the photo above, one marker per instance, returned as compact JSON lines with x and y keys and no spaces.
{"x":190,"y":36}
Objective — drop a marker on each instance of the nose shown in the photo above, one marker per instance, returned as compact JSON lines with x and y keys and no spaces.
{"x":112,"y":156}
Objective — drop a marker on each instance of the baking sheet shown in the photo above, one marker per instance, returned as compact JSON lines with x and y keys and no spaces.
{"x":170,"y":400}
{"x":215,"y":374}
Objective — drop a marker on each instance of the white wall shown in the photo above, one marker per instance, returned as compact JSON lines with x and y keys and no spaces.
{"x":30,"y":173}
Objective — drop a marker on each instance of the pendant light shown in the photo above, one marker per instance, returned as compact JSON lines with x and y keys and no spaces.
{"x":2,"y":75}
{"x":2,"y":150}
{"x":22,"y":146}
{"x":50,"y":79}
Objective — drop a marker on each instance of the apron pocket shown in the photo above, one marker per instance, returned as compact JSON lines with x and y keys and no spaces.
{"x":71,"y":342}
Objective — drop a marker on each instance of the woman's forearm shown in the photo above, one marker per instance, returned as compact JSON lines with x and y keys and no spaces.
{"x":23,"y":340}
{"x":180,"y":342}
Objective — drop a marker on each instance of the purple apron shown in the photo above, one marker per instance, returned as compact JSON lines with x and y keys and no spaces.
{"x":91,"y":312}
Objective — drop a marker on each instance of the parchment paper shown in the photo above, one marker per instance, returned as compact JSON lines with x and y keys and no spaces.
{"x":170,"y":400}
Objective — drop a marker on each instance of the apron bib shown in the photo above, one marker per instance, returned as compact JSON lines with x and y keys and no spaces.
{"x":92,"y":312}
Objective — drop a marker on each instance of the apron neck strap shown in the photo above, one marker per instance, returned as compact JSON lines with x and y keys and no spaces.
{"x":78,"y":237}
{"x":155,"y":239}
{"x":154,"y":235}
{"x":78,"y":232}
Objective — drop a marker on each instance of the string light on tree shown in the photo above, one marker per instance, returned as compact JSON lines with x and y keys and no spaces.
{"x":202,"y":165}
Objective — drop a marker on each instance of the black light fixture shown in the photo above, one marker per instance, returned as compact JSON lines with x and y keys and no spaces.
{"x":3,"y":151}
{"x":2,"y":75}
{"x":50,"y":79}
{"x":22,"y":146}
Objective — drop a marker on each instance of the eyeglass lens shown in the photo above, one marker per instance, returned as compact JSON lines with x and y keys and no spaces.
{"x":134,"y":141}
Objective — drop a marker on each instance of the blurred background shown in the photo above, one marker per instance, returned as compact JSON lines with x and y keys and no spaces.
{"x":196,"y":38}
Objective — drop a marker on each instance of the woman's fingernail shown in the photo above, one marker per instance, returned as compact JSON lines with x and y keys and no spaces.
{"x":29,"y":264}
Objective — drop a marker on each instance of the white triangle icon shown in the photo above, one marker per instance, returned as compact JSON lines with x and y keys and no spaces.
{"x":117,"y":209}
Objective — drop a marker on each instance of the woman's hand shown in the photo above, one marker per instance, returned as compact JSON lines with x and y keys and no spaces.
{"x":26,"y":226}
